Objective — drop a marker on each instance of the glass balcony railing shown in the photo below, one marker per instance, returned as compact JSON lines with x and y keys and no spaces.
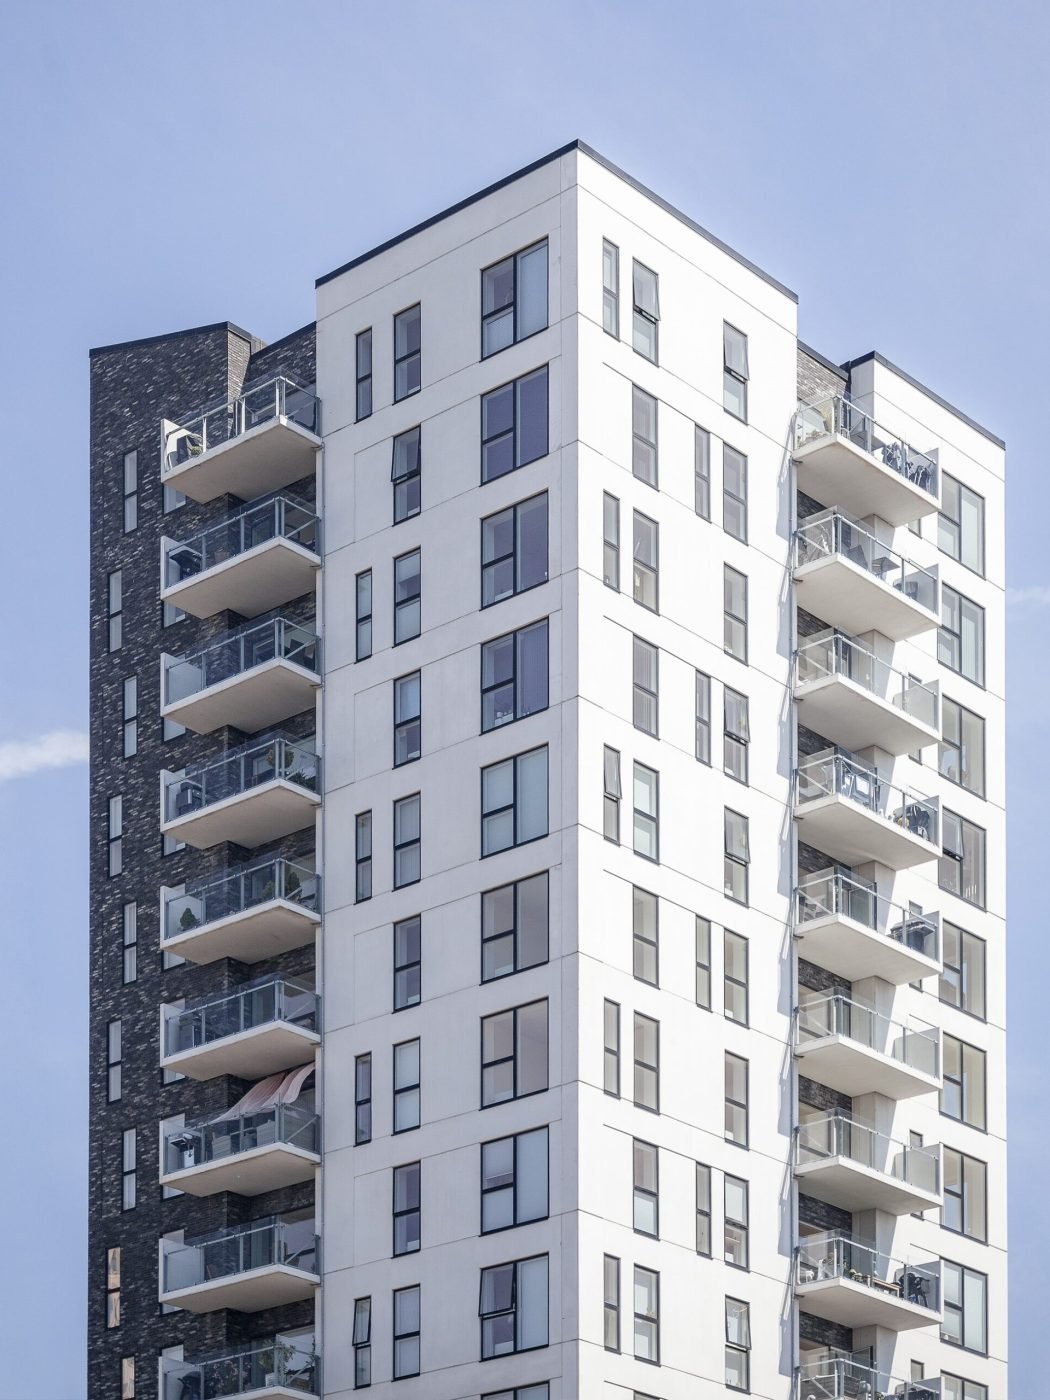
{"x":239,"y":890}
{"x":239,"y":771}
{"x":271,"y":1000}
{"x":281,"y":518}
{"x":835,"y":892}
{"x":226,"y":419}
{"x":834,"y":653}
{"x":242,"y":1371}
{"x":836,"y":1255}
{"x":836,"y":1135}
{"x":830,"y":533}
{"x":205,"y":1144}
{"x":837,"y":417}
{"x":842,"y":1377}
{"x":238,"y":652}
{"x":834,"y":773}
{"x":916,"y":1045}
{"x":228,"y":1253}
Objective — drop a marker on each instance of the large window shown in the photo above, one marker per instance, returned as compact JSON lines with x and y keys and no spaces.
{"x":965,"y":1208}
{"x":362,"y":1342}
{"x":646,"y":1197}
{"x":514,"y":801}
{"x":407,"y":842}
{"x":611,"y":1279}
{"x":514,"y":1053}
{"x":735,"y":976}
{"x":646,"y":812}
{"x":734,"y":371}
{"x":514,"y":425}
{"x":737,"y":856}
{"x":611,"y":794}
{"x":965,"y":1307}
{"x":405,"y":468}
{"x":961,"y":753}
{"x":646,"y":562}
{"x":611,"y":541}
{"x":514,"y":299}
{"x":646,"y":679}
{"x":115,"y":836}
{"x":406,"y":1086}
{"x":736,"y":1209}
{"x":646,"y":1062}
{"x":514,"y":1175}
{"x":610,"y":288}
{"x":646,"y":318}
{"x":734,"y":588}
{"x":362,"y":1099}
{"x":611,"y":1049}
{"x":406,"y":1332}
{"x":408,"y":724}
{"x":646,"y":937}
{"x":363,"y":373}
{"x":960,"y":524}
{"x":702,"y":472}
{"x":407,"y":962}
{"x":965,"y":1093}
{"x":363,"y":615}
{"x":960,"y":641}
{"x":643,"y":432}
{"x":513,"y":1307}
{"x":962,"y":981}
{"x":514,"y":676}
{"x":738,"y":1345}
{"x":407,"y":355}
{"x":955,"y":1388}
{"x":408,"y":587}
{"x":961,"y":868}
{"x":646,"y":1314}
{"x":514,"y":927}
{"x":362,"y":857}
{"x":736,"y":734}
{"x":405,"y":1209}
{"x":514,"y":550}
{"x":736,"y":1095}
{"x":734,"y":492}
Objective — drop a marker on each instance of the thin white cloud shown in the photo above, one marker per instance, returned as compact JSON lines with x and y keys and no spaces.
{"x":1037,"y":596}
{"x":62,"y":748}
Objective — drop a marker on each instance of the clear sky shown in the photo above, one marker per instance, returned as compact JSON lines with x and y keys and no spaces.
{"x":167,"y":163}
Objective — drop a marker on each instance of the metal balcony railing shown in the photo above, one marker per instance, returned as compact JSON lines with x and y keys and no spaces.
{"x":837,"y":1135}
{"x":834,"y":653}
{"x":916,"y":1045}
{"x":839,"y":418}
{"x":225,"y":419}
{"x":239,"y":1250}
{"x":835,"y":892}
{"x":834,"y":773}
{"x":830,"y":533}
{"x":280,"y":518}
{"x":204,"y":1144}
{"x":244,"y":1370}
{"x":238,"y":652}
{"x":239,"y":890}
{"x":240,"y":771}
{"x":837,"y":1255}
{"x":271,"y":1000}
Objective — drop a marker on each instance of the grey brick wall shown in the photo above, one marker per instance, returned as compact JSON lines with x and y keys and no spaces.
{"x":816,"y":379}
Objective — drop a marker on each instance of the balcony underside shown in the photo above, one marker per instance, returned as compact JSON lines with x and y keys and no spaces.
{"x":844,"y":595}
{"x":255,"y":582}
{"x":842,"y":1182}
{"x":856,"y":1304}
{"x":853,"y":1069}
{"x":275,"y":454}
{"x":250,"y":1054}
{"x":268,"y":1287}
{"x":847,"y":714}
{"x":250,"y":701}
{"x":248,"y":1173}
{"x":853,"y":950}
{"x":835,"y":472}
{"x":253,"y":818}
{"x":263,"y":931}
{"x":853,"y":834}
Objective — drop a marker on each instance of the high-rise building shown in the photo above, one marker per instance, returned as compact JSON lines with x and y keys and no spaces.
{"x":548,"y":856}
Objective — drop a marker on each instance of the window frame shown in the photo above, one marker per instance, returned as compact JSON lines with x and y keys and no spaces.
{"x":611,"y":1049}
{"x":701,"y":472}
{"x":513,"y":932}
{"x":962,"y":1084}
{"x":733,"y":375}
{"x":964,"y":1195}
{"x":363,"y":848}
{"x":742,"y":1349}
{"x":513,"y":432}
{"x":950,"y":641}
{"x":405,"y":1212}
{"x":734,"y":861}
{"x":644,"y":696}
{"x":362,"y":1100}
{"x":362,"y":620}
{"x":947,"y":522}
{"x":516,"y":679}
{"x":611,"y":294}
{"x":362,"y":378}
{"x":639,"y":937}
{"x":130,"y":716}
{"x":969,"y":857}
{"x":703,"y":1209}
{"x":959,"y":747}
{"x":730,"y":619}
{"x":115,"y":609}
{"x":611,"y":1305}
{"x":652,"y":817}
{"x":611,"y":543}
{"x":733,"y":500}
{"x":641,"y":317}
{"x":702,"y":686}
{"x":517,"y":1219}
{"x":736,"y":737}
{"x":961,"y":1000}
{"x":130,"y":942}
{"x":647,"y":570}
{"x":404,"y":722}
{"x":514,"y":1311}
{"x":402,"y":846}
{"x":403,"y":605}
{"x":959,"y":1310}
{"x":396,"y":1373}
{"x":514,"y":1058}
{"x":649,"y":1318}
{"x":499,"y":312}
{"x":410,"y":354}
{"x":131,"y":492}
{"x":702,"y":941}
{"x":114,"y":1059}
{"x":515,"y":760}
{"x":489,"y":567}
{"x":363,"y":1348}
{"x":742,"y":1106}
{"x":643,"y":448}
{"x":646,"y":1067}
{"x":128,"y":1173}
{"x":407,"y":503}
{"x":612,"y":793}
{"x":741,"y":1224}
{"x":645,"y":1155}
{"x":731,"y":938}
{"x":402,"y":1090}
{"x":404,"y":1001}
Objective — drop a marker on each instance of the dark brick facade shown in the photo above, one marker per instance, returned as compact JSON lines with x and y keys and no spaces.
{"x":134,"y":386}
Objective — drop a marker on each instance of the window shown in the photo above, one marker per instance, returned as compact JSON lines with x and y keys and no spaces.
{"x":964,"y":1093}
{"x":646,"y":326}
{"x":611,"y":1066}
{"x":961,"y":752}
{"x":406,"y":1332}
{"x":362,"y":1099}
{"x":407,"y":962}
{"x":735,"y":1198}
{"x":646,"y":812}
{"x":701,"y":472}
{"x":514,"y":1176}
{"x":406,"y":1086}
{"x":362,"y":857}
{"x":965,"y":1208}
{"x":513,"y":1307}
{"x":736,"y":1072}
{"x":610,"y":292}
{"x":734,"y":970}
{"x":514,"y":671}
{"x":646,"y":1314}
{"x":611,"y":810}
{"x":514,"y":425}
{"x":734,"y":493}
{"x":116,"y":626}
{"x":114,"y":1057}
{"x":646,"y":1188}
{"x":643,"y":430}
{"x":734,"y":638}
{"x":960,"y":641}
{"x":955,"y":1388}
{"x":407,"y":355}
{"x":965,"y":1307}
{"x":514,"y":927}
{"x":646,"y":561}
{"x":611,"y":541}
{"x":113,"y":1288}
{"x":703,"y":718}
{"x":738,"y":1345}
{"x":960,"y":524}
{"x":514,"y":299}
{"x":961,"y":867}
{"x":405,"y":1207}
{"x":408,"y":586}
{"x":363,"y":596}
{"x":514,"y":1053}
{"x":131,"y":491}
{"x":514,"y":801}
{"x":611,"y":1275}
{"x":362,"y":1342}
{"x":646,"y":936}
{"x":703,"y":963}
{"x":646,"y":686}
{"x":131,"y":940}
{"x":127,"y":1378}
{"x":963,"y":973}
{"x":539,"y":1391}
{"x":129,"y":1159}
{"x":130,"y":717}
{"x":737,"y":856}
{"x":514,"y":550}
{"x":734,"y":371}
{"x":405,"y":468}
{"x":703,"y":1210}
{"x":407,"y":858}
{"x":646,"y":1062}
{"x":737,"y":734}
{"x":408,"y":726}
{"x":363,"y":372}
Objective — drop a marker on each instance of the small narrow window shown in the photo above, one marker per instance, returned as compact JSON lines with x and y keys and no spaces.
{"x":646,"y":1062}
{"x":611,"y":1275}
{"x":646,"y":1314}
{"x":646,"y":287}
{"x":363,"y":603}
{"x":130,"y":942}
{"x":736,"y":1095}
{"x":735,"y":977}
{"x":131,"y":717}
{"x":646,"y":1188}
{"x":514,"y":425}
{"x":737,"y":734}
{"x":131,"y":491}
{"x":611,"y":1070}
{"x":408,"y":724}
{"x":644,"y":450}
{"x":407,"y":841}
{"x":646,"y":561}
{"x":611,"y":541}
{"x":738,"y":1345}
{"x":406,"y":1332}
{"x":363,"y":370}
{"x":703,"y":718}
{"x":406,"y":1086}
{"x":646,"y":686}
{"x":703,"y":1210}
{"x":407,"y":353}
{"x":514,"y":299}
{"x":646,"y":812}
{"x":408,"y":587}
{"x":514,"y":927}
{"x":115,"y":840}
{"x":407,"y":1217}
{"x":129,"y":1163}
{"x":407,"y":962}
{"x":115,"y":591}
{"x":362,"y":1099}
{"x":646,"y":937}
{"x":701,"y":472}
{"x":362,"y":857}
{"x":735,"y":371}
{"x":610,"y":291}
{"x":736,"y":1213}
{"x":405,"y":474}
{"x":703,"y":963}
{"x":734,"y":493}
{"x":127,"y":1378}
{"x":113,"y":1288}
{"x":362,"y":1341}
{"x":114,"y":1057}
{"x":735,"y":613}
{"x":611,"y":811}
{"x":737,"y":856}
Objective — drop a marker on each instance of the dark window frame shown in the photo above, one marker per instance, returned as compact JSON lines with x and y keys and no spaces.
{"x":409,"y":355}
{"x":514,"y":930}
{"x":362,"y":1098}
{"x":499,"y":312}
{"x":491,"y":565}
{"x":362,"y":378}
{"x":515,"y":681}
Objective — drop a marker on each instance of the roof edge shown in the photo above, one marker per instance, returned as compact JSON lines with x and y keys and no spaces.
{"x":850,"y":365}
{"x":253,"y":340}
{"x":261,"y":348}
{"x":824,"y":361}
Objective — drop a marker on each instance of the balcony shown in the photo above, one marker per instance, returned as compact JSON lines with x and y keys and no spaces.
{"x":247,"y":1268}
{"x":844,"y":1281}
{"x":256,"y":1030}
{"x":840,"y":1377}
{"x":856,"y":1050}
{"x":251,"y":679}
{"x":247,"y":1152}
{"x":247,"y":446}
{"x":844,"y":925}
{"x":850,"y":1165}
{"x":286,"y":1367}
{"x":251,"y":562}
{"x":252,"y":795}
{"x":844,"y":458}
{"x":250,"y":913}
{"x":852,"y":697}
{"x":852,"y":581}
{"x":851,"y":812}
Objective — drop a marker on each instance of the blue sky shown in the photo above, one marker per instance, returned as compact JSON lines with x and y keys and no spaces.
{"x":176,"y":162}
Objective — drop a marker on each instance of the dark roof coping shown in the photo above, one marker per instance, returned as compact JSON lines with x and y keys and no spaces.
{"x":253,"y":340}
{"x":850,"y":365}
{"x":262,"y":349}
{"x":827,"y":364}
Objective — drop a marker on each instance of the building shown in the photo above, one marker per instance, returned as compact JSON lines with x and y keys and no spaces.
{"x":548,"y":863}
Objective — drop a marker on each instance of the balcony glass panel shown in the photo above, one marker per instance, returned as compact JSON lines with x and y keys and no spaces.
{"x":839,"y":1376}
{"x":199,"y":1144}
{"x":239,"y":771}
{"x":281,"y":518}
{"x":838,"y":1255}
{"x":227,"y":1253}
{"x":260,"y":1366}
{"x":835,"y":1135}
{"x":834,"y":773}
{"x":839,"y":418}
{"x":239,"y":890}
{"x":916,"y":1045}
{"x":260,"y":1003}
{"x":238,"y":652}
{"x":831,"y":533}
{"x":834,"y":653}
{"x":835,"y":892}
{"x":226,"y":419}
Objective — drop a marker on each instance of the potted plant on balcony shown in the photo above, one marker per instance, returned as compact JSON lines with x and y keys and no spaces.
{"x":188,"y":920}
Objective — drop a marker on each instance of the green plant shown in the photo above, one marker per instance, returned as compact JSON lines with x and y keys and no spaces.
{"x":292,"y":885}
{"x":189,"y":919}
